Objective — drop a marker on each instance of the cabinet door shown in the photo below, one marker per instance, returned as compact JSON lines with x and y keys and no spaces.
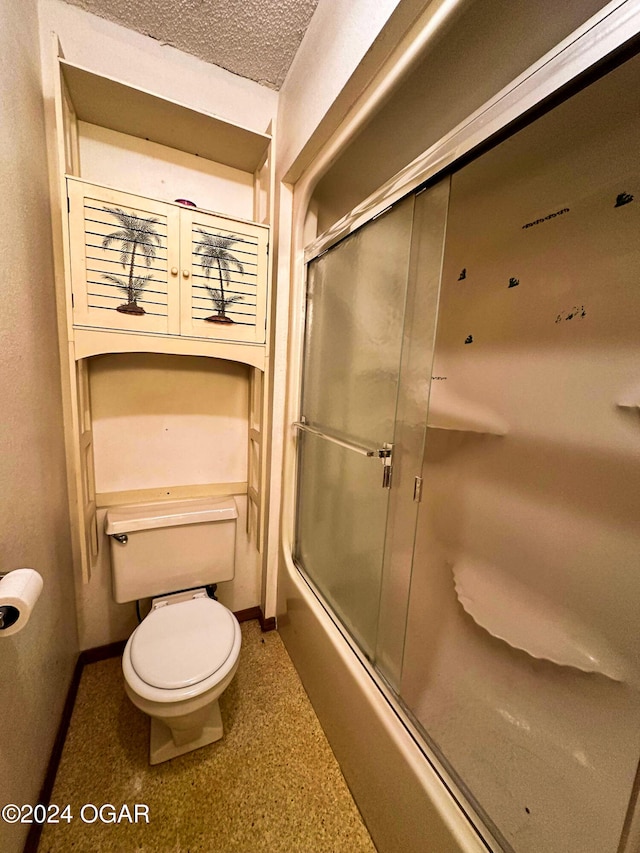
{"x":124,"y":260}
{"x":224,"y":278}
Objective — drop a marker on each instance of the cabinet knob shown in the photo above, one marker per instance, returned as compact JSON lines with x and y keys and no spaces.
{"x":174,"y":270}
{"x":185,"y":273}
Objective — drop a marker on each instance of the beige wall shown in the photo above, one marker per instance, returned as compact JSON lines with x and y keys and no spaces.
{"x":166,"y":420}
{"x":338,"y":37}
{"x":35,"y":664}
{"x":153,"y":170}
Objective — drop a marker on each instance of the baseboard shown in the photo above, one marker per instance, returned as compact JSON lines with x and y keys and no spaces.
{"x":269,"y":624}
{"x":44,"y":797}
{"x":111,"y":650}
{"x":248,"y":614}
{"x":256,"y":613}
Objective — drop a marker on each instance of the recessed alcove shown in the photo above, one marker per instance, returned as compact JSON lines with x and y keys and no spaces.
{"x":176,"y":407}
{"x":166,"y":420}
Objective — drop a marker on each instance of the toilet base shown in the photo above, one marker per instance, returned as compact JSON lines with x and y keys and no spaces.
{"x":166,"y":744}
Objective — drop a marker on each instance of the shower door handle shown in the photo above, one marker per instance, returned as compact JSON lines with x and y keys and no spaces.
{"x":385,"y":453}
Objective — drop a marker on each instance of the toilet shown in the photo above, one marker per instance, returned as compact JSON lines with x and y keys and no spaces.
{"x":184,"y":653}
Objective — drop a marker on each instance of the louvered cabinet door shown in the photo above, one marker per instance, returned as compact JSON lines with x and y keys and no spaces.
{"x":224,"y":278}
{"x":125,"y":258}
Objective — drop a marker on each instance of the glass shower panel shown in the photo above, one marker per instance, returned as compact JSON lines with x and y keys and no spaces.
{"x":341,"y":525}
{"x":355,"y":312}
{"x":353,"y":345}
{"x":427,"y":246}
{"x":522,"y":651}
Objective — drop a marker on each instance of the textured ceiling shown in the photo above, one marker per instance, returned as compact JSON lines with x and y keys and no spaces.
{"x":253,"y":38}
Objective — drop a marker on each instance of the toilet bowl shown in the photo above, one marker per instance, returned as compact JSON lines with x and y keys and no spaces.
{"x":185,"y":652}
{"x":176,"y":664}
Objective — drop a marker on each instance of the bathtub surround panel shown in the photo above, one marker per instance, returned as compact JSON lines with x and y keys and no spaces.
{"x":521,"y":639}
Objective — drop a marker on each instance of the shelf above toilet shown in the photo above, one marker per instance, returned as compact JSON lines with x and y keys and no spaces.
{"x":126,"y":519}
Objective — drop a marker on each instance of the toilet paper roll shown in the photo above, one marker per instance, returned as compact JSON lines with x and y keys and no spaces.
{"x":19,"y":591}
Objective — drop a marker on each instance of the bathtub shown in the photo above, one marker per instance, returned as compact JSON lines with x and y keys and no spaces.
{"x":405,"y":799}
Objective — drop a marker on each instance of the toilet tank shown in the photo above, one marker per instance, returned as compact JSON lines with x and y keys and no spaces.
{"x":163,"y":547}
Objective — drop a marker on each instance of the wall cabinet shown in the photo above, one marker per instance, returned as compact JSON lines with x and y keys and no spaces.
{"x":147,"y":266}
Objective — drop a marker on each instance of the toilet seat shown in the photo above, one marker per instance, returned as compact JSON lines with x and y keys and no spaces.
{"x":179,"y":645}
{"x":160,"y":636}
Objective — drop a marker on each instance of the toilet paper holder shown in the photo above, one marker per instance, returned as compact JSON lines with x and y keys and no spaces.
{"x":8,"y":615}
{"x":18,"y":598}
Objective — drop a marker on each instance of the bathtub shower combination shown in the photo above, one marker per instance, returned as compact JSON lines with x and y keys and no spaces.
{"x":468,"y":482}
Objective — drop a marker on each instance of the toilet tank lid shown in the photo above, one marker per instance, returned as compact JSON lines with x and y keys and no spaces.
{"x":127,"y":519}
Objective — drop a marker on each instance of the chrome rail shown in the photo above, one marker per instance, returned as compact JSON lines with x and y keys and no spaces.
{"x":350,"y":445}
{"x":385,"y":453}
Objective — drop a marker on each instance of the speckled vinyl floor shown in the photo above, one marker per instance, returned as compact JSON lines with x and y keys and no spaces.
{"x":271,"y":784}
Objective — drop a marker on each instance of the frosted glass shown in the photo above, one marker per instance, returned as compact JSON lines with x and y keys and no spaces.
{"x":353,"y":347}
{"x":355,"y":314}
{"x":427,"y":245}
{"x":341,"y":526}
{"x":522,"y":647}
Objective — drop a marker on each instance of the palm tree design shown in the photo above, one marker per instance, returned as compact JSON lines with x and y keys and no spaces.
{"x":136,"y":234}
{"x":215,"y":254}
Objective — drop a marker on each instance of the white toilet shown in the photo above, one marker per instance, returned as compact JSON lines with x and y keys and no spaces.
{"x":184,"y":654}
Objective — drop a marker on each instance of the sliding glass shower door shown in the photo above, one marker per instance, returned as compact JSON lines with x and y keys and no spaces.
{"x":370,"y":326}
{"x":355,"y":314}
